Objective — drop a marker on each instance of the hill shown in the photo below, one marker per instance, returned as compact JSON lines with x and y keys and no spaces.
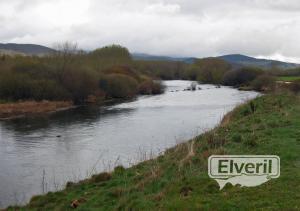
{"x":238,"y":59}
{"x":148,"y":57}
{"x":26,"y":49}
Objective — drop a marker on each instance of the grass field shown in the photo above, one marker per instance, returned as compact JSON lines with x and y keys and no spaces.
{"x":178,"y":179}
{"x":288,"y":78}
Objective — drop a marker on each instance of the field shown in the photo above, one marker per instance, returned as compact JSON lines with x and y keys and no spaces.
{"x":178,"y":179}
{"x":288,"y":78}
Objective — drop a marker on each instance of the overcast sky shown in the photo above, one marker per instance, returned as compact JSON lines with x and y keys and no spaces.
{"x":262,"y":28}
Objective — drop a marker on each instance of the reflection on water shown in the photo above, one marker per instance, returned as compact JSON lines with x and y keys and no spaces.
{"x":73,"y":144}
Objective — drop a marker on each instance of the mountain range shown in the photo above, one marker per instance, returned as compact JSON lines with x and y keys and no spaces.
{"x":236,"y":60}
{"x":25,"y":49}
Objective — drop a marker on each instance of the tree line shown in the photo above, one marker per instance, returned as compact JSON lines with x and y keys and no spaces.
{"x":110,"y":72}
{"x":70,"y":74}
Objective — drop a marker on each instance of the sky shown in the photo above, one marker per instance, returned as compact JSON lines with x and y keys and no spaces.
{"x":199,"y":28}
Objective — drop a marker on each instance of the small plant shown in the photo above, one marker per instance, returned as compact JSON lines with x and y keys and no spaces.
{"x":251,"y":141}
{"x":101,"y":177}
{"x":119,"y":170}
{"x":245,"y":111}
{"x":214,"y":141}
{"x":252,"y":107}
{"x":237,"y":138}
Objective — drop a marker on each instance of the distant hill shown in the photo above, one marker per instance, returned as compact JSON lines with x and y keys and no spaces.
{"x":24,"y":49}
{"x":236,"y":60}
{"x":148,"y":57}
{"x":242,"y":60}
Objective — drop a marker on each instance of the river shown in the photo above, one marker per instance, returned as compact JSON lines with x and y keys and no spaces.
{"x":41,"y":154}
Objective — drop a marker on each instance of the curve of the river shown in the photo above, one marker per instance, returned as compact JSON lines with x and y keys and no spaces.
{"x":41,"y":154}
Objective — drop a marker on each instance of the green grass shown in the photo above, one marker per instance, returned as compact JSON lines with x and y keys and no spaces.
{"x":288,"y":78}
{"x":178,"y":179}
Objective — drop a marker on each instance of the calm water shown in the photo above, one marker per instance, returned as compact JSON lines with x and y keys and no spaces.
{"x":71,"y":145}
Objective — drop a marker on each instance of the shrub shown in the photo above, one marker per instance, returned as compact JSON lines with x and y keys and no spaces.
{"x":101,"y":177}
{"x":125,"y":70}
{"x":237,"y":137}
{"x":263,"y":83}
{"x":109,"y":56}
{"x":80,"y":83}
{"x":119,"y":170}
{"x":119,"y":86}
{"x":211,"y":70}
{"x":48,"y":90}
{"x":295,"y":87}
{"x":241,"y":76}
{"x":22,"y":87}
{"x":15,"y":87}
{"x":149,"y":87}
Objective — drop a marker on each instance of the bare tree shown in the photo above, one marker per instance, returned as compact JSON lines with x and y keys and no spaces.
{"x":65,"y":53}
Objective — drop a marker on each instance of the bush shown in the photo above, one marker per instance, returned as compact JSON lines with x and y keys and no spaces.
{"x":295,"y":87}
{"x":149,"y":87}
{"x":210,"y":70}
{"x":101,"y":177}
{"x":241,"y":76}
{"x":109,"y":56}
{"x":119,"y":86}
{"x":80,"y":83}
{"x":263,"y":83}
{"x":125,"y":70}
{"x":14,"y":87}
{"x":237,"y":138}
{"x":23,"y":87}
{"x":48,"y":90}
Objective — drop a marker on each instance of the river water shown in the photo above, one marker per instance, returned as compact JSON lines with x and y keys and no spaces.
{"x":41,"y":154}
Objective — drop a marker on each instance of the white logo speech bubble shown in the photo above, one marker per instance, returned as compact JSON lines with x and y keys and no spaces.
{"x":245,"y":170}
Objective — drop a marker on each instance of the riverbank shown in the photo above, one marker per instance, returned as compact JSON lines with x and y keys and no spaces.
{"x":21,"y":109}
{"x":178,"y":179}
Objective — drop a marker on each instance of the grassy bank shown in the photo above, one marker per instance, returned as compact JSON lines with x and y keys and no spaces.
{"x":178,"y":179}
{"x":19,"y":109}
{"x":288,"y":78}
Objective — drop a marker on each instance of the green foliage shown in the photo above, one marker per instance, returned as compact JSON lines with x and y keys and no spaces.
{"x":22,"y":87}
{"x":69,"y":74}
{"x":241,"y":76}
{"x":80,"y":83}
{"x":288,"y":78}
{"x":210,"y":70}
{"x":237,"y":137}
{"x":109,"y":56}
{"x":263,"y":83}
{"x":119,"y":86}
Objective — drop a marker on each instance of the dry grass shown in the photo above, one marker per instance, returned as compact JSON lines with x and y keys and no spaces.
{"x":10,"y":110}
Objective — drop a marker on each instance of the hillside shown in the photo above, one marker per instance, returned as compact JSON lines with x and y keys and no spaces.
{"x":238,"y":59}
{"x":26,"y":49}
{"x":148,"y":57}
{"x":178,"y":180}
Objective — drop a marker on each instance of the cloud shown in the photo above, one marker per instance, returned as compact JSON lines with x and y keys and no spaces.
{"x":265,"y":28}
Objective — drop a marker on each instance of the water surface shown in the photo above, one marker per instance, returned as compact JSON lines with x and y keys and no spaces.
{"x":41,"y":154}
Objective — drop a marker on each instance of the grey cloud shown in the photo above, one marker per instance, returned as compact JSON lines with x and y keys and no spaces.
{"x":268,"y":28}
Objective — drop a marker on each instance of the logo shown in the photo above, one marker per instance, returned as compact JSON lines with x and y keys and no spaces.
{"x":244,"y":170}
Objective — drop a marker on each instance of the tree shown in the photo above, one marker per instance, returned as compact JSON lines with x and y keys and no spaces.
{"x":211,"y":70}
